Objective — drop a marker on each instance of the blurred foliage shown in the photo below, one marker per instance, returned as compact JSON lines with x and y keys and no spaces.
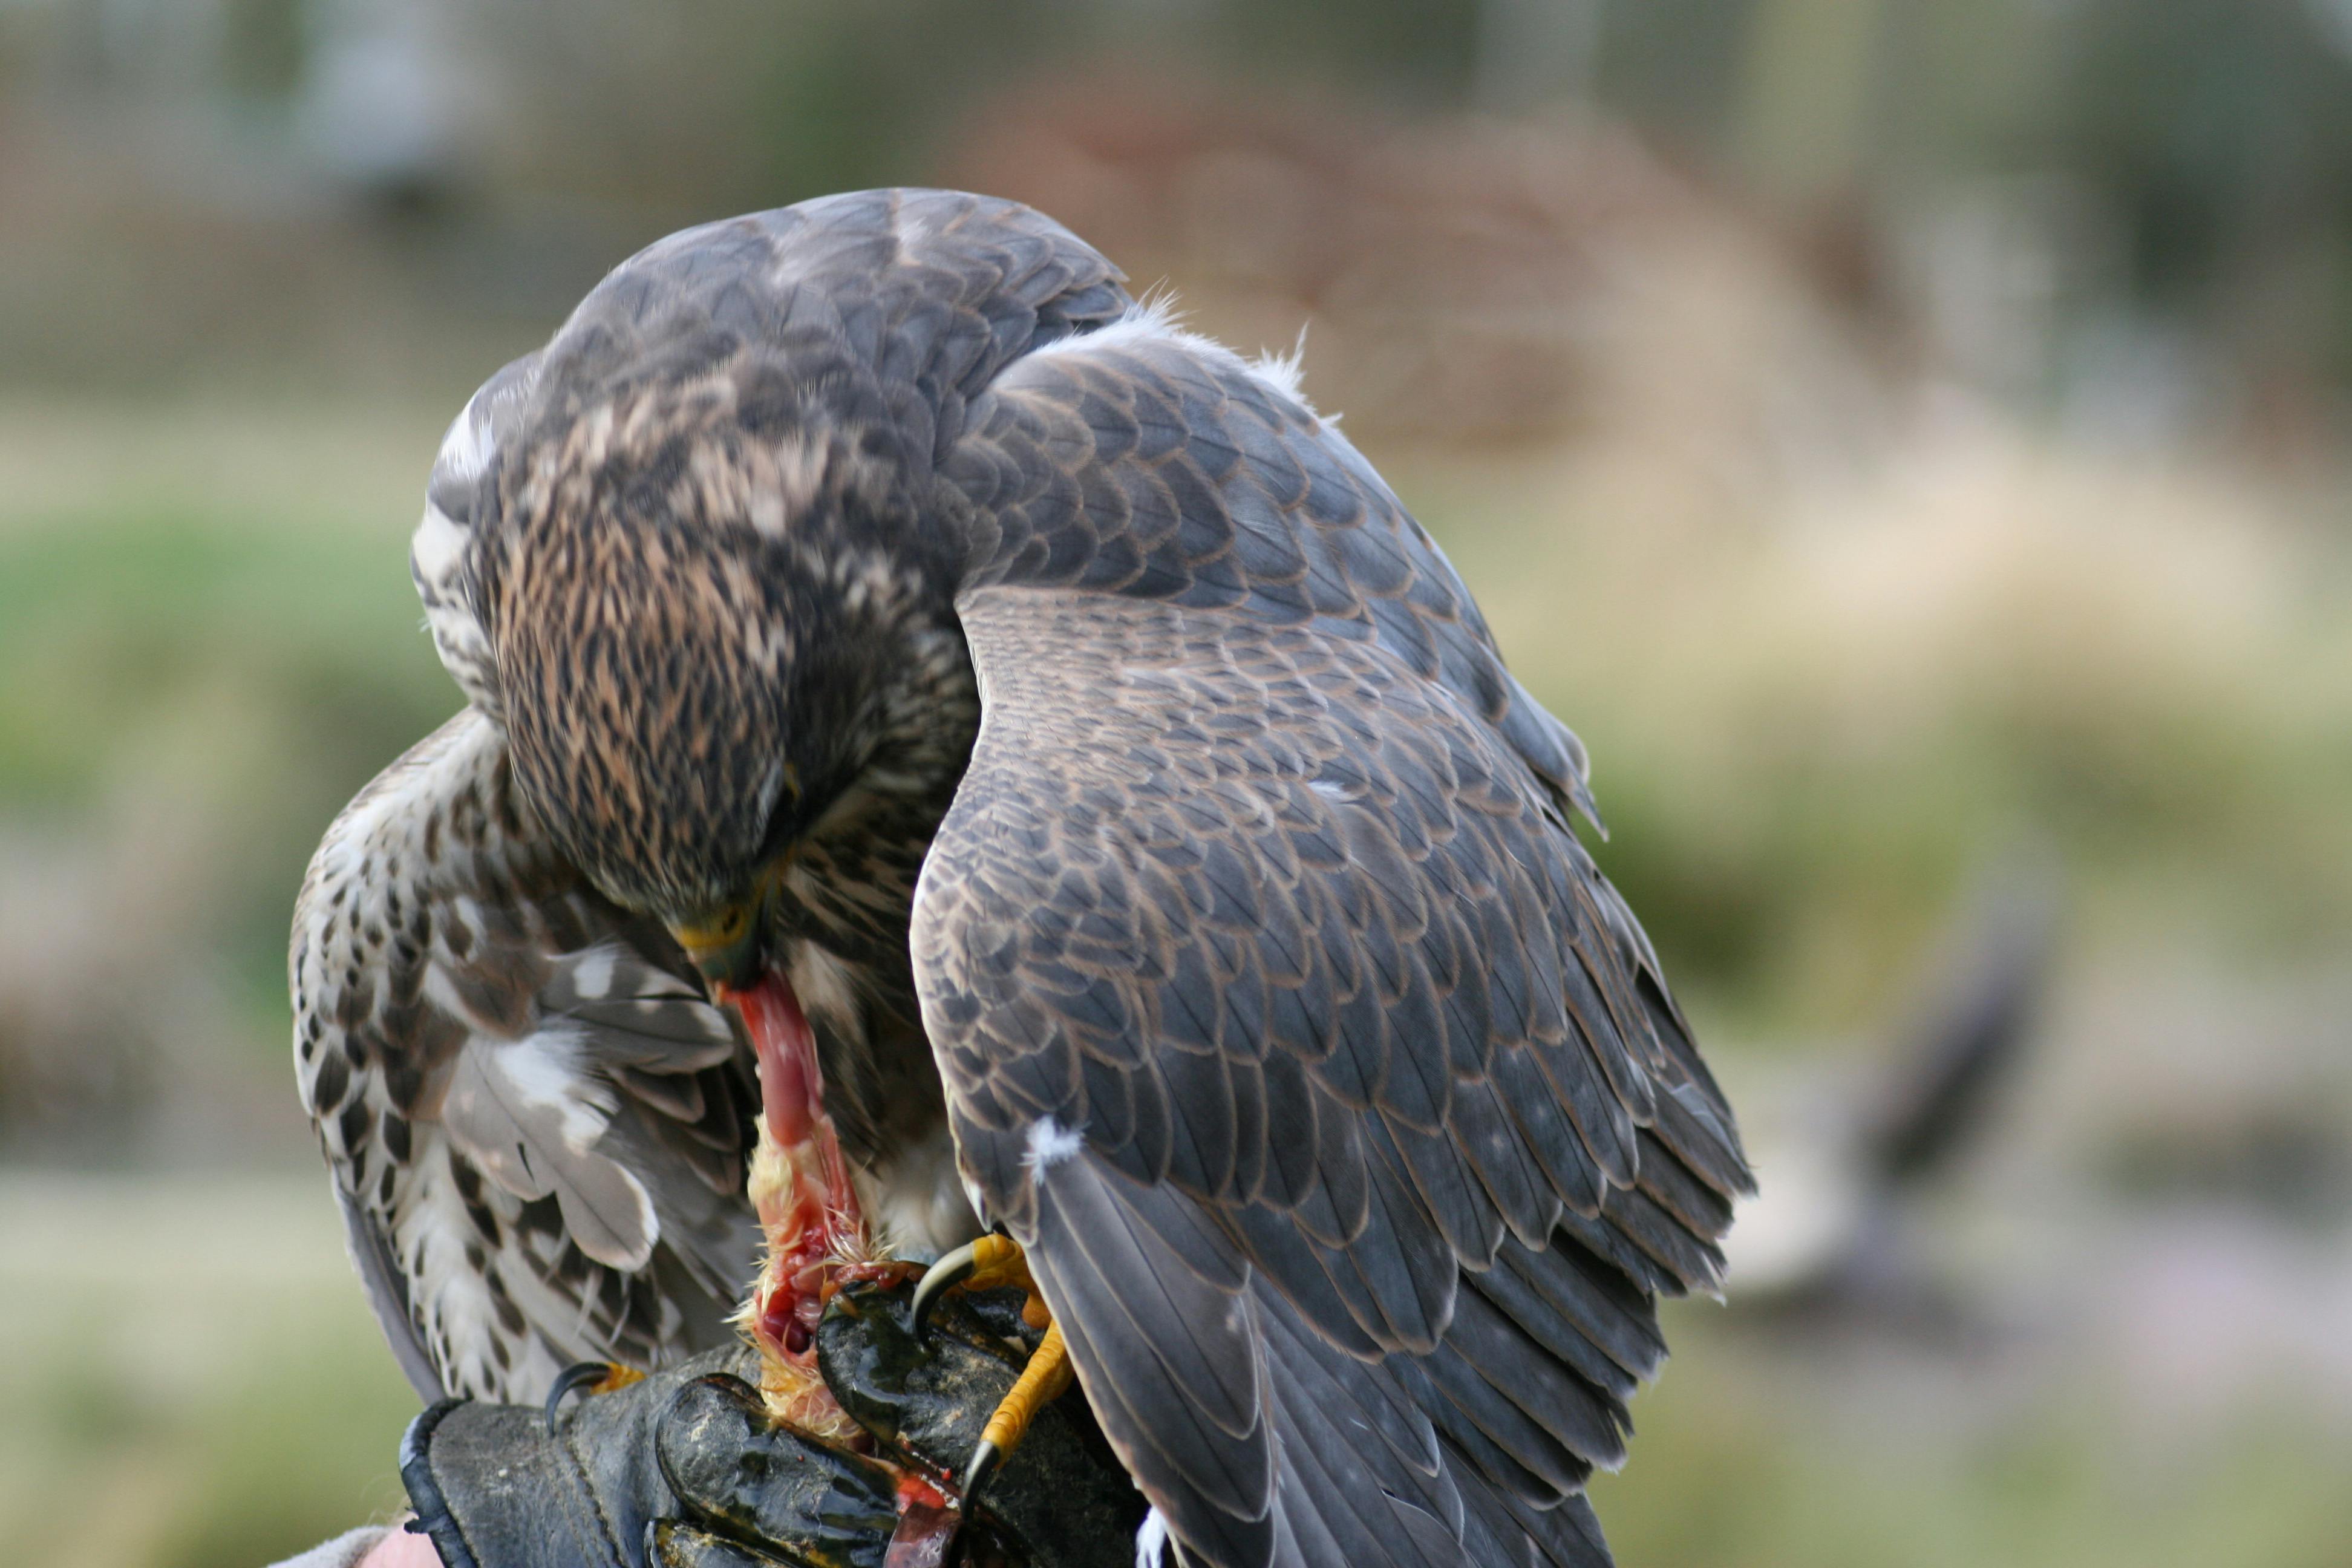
{"x":1805,"y":739}
{"x":207,"y":644}
{"x":2167,"y":167}
{"x":240,"y":1412}
{"x":1722,"y":1475}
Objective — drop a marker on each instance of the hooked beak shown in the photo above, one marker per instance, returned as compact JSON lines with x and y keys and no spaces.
{"x":725,"y":947}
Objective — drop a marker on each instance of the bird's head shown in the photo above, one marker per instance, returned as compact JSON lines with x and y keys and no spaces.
{"x":705,"y":636}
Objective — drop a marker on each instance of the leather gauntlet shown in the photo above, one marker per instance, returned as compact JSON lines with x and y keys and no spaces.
{"x":685,"y":1469}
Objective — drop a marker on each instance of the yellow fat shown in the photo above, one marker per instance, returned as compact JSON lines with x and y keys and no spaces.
{"x":772,"y":1176}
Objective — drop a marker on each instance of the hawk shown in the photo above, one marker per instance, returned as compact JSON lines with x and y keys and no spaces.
{"x":1040,"y":742}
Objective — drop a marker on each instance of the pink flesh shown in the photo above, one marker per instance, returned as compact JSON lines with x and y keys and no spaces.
{"x":816,"y":1204}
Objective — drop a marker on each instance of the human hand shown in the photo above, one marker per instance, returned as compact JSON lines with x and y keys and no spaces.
{"x":399,"y":1548}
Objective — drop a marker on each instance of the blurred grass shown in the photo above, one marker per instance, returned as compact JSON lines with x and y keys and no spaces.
{"x":1749,"y":1457}
{"x":207,"y":642}
{"x":1815,"y":712}
{"x":194,"y":1383}
{"x":193,"y":1380}
{"x":146,"y":553}
{"x":124,"y":613}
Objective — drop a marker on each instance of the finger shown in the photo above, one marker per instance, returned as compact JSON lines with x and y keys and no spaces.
{"x":742,"y":1476}
{"x":675,"y":1544}
{"x":399,"y":1548}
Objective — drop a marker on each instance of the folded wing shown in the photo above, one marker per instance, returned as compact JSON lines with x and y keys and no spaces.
{"x":1335,"y":1094}
{"x":536,"y":1123}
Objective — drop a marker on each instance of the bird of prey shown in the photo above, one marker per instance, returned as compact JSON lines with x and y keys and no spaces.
{"x":1041,"y":741}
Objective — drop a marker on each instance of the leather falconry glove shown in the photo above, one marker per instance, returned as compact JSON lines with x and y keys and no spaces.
{"x":685,"y":1469}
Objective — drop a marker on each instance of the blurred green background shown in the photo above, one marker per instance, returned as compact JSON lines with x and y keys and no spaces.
{"x":1907,"y":441}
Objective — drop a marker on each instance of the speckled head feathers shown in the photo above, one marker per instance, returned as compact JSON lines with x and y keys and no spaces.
{"x":686,"y":556}
{"x":687,"y":669}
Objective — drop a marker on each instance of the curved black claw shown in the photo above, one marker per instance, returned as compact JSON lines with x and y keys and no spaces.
{"x":587,"y":1374}
{"x":951,"y":1270}
{"x":986,"y":1460}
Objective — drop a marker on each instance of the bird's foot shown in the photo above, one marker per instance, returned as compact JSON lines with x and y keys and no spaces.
{"x":587,"y":1378}
{"x":1046,"y":1379}
{"x":990,"y":1263}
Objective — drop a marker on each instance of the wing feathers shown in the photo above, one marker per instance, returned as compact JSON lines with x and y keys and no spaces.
{"x":533,"y":1118}
{"x":1166,"y":1357}
{"x":1348,"y":987}
{"x":538,"y":1118}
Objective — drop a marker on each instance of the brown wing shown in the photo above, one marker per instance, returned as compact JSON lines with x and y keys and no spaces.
{"x":536,"y":1124}
{"x":1336,"y":1095}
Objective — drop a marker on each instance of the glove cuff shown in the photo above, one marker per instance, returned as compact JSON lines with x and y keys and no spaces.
{"x":494,"y":1488}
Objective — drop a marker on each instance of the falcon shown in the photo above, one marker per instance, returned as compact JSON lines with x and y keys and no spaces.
{"x":951,"y":756}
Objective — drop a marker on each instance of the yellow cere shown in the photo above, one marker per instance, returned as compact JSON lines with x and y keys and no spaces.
{"x":724,"y":929}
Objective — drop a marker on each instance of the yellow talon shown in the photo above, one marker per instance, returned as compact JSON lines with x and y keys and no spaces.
{"x":997,"y":1262}
{"x":987,"y":1264}
{"x":990,"y":1263}
{"x":588,"y":1377}
{"x":1043,"y":1381}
